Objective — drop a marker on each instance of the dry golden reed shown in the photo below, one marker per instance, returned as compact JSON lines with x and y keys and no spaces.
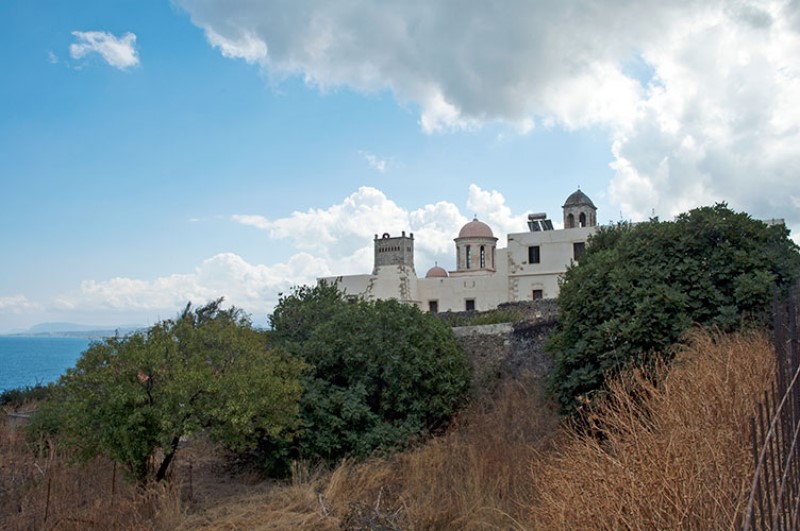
{"x":675,"y":457}
{"x":670,"y":456}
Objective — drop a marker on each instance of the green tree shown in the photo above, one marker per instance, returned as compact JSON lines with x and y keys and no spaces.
{"x":297,"y":315}
{"x":638,"y":288}
{"x":208,"y":370}
{"x":383,"y":372}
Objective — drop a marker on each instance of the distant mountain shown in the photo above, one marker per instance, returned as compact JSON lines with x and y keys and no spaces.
{"x":49,"y":328}
{"x":76,"y":330}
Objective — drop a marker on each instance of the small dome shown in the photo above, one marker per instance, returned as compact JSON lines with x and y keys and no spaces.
{"x":578,"y":198}
{"x":475,"y":229}
{"x":436,"y":272}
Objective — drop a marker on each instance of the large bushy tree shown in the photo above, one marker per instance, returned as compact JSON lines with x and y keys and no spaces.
{"x":206,"y":370}
{"x":639,"y":287}
{"x":383,"y":372}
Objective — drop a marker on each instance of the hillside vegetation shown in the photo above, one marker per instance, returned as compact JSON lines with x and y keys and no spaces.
{"x":383,"y":376}
{"x":133,"y":399}
{"x":362,"y":404}
{"x":639,"y":288}
{"x":332,"y":379}
{"x":676,"y":459}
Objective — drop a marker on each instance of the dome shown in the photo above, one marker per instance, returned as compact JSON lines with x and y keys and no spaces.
{"x":436,"y":272}
{"x":475,"y":229}
{"x":578,"y":198}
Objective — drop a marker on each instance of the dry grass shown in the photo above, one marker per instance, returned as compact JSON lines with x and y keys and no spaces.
{"x":475,"y":477}
{"x":677,"y":457}
{"x":45,"y":492}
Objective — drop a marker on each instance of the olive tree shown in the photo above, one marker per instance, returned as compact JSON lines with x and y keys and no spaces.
{"x":208,"y":370}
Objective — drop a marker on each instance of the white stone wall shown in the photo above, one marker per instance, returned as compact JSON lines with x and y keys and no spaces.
{"x":390,"y":282}
{"x":487,"y":290}
{"x":514,"y":278}
{"x":351,"y":284}
{"x":395,"y":282}
{"x":556,"y":249}
{"x":555,"y":255}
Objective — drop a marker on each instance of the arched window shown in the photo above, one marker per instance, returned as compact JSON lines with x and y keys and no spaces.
{"x":469,"y":258}
{"x":483,"y":257}
{"x":570,"y":221}
{"x":582,"y":219}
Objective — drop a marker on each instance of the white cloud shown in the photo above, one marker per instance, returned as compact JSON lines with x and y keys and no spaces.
{"x":327,"y":241}
{"x":490,"y":207}
{"x":718,"y":122}
{"x":434,"y":227}
{"x":253,"y":287}
{"x":119,"y":52}
{"x":462,"y":63}
{"x":374,"y":161}
{"x":711,"y":115}
{"x":245,"y":46}
{"x":17,"y":304}
{"x":336,"y":232}
{"x":341,"y":235}
{"x":259,"y":222}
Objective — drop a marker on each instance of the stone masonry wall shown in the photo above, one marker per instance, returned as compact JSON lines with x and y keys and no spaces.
{"x":508,"y":350}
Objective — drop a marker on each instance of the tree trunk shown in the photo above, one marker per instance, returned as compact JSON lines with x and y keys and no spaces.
{"x":169,"y":453}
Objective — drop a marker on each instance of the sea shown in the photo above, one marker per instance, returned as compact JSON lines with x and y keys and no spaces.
{"x":27,"y":361}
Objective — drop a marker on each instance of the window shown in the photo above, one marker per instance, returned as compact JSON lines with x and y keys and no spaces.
{"x":469,"y":257}
{"x":538,"y":294}
{"x":577,"y":250}
{"x":570,"y":221}
{"x":582,"y":219}
{"x":470,"y":305}
{"x":433,"y":306}
{"x":483,"y":257}
{"x":533,"y":254}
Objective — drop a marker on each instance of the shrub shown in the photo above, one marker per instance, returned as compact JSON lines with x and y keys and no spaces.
{"x":495,"y":316}
{"x":21,"y":395}
{"x":127,"y":398}
{"x":639,"y":288}
{"x":384,"y":373}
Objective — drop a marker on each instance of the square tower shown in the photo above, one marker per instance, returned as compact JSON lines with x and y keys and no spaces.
{"x":394,"y":251}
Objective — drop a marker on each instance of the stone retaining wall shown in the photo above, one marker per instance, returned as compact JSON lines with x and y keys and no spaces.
{"x":504,"y":350}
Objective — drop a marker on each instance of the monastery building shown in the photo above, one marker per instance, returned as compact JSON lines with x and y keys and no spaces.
{"x":528,"y":268}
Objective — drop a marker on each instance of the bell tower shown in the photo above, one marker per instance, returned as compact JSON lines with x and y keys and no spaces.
{"x":579,"y":211}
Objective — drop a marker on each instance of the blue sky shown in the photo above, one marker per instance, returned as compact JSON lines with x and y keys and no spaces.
{"x":155,"y":152}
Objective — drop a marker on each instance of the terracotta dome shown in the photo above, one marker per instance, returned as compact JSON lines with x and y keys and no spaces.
{"x":578,"y":198}
{"x":436,"y":272}
{"x":475,"y":229}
